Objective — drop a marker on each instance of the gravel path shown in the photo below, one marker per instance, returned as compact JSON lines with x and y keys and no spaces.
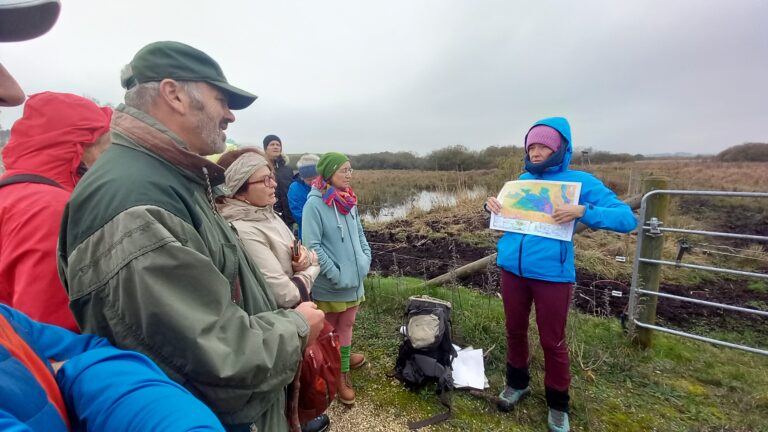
{"x":365,"y":417}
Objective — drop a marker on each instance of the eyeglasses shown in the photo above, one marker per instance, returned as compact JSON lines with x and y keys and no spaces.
{"x":268,"y":181}
{"x":346,"y":171}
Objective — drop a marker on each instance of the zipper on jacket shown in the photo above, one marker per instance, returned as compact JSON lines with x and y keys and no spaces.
{"x":314,"y":360}
{"x":520,"y":257}
{"x":338,"y":222}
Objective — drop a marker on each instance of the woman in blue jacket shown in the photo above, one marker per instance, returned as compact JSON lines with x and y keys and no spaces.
{"x":331,"y":227}
{"x":540,"y":271}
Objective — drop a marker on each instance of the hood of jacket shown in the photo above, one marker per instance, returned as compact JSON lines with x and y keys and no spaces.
{"x":281,"y":161}
{"x":50,"y":137}
{"x":561,"y":125}
{"x":316,"y":193}
{"x":152,"y":136}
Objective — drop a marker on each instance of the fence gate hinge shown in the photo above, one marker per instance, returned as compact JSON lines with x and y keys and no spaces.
{"x":654,"y":224}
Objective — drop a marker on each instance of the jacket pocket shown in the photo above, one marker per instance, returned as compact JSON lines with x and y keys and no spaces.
{"x":334,"y":274}
{"x":508,"y":249}
{"x":563,"y":252}
{"x":563,"y":256}
{"x":363,"y":265}
{"x":543,"y":258}
{"x":347,"y":277}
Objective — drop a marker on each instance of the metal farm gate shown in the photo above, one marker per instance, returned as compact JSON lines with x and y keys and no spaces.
{"x":652,"y":228}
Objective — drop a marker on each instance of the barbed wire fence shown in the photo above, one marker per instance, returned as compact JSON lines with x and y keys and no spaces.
{"x":603,"y":298}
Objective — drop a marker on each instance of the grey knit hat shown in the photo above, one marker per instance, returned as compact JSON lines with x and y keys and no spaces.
{"x":307,"y":166}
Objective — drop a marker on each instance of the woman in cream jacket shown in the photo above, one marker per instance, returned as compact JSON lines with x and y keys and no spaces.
{"x":250,"y":183}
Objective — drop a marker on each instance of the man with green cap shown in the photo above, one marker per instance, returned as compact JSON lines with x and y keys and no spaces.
{"x":150,"y":264}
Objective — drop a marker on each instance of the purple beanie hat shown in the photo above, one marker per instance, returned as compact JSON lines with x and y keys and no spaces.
{"x":543,"y":134}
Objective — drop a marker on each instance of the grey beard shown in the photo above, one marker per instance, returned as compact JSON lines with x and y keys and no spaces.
{"x":209,"y":129}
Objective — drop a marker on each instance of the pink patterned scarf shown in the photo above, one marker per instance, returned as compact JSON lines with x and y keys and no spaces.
{"x":344,"y":199}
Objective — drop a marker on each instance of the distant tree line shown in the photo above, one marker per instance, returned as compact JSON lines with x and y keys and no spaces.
{"x":460,"y":158}
{"x":453,"y":158}
{"x":748,"y":152}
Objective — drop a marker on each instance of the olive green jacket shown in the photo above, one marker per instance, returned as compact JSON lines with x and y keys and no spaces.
{"x":150,"y":264}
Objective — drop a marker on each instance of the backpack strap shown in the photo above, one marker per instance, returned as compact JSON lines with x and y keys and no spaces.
{"x":29,"y":178}
{"x":445,"y":400}
{"x":433,"y":368}
{"x":303,"y":291}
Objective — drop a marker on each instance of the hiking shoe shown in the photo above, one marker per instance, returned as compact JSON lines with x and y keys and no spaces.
{"x":510,"y":397}
{"x":320,"y":423}
{"x":346,"y":392}
{"x":558,"y":421}
{"x":356,"y":360}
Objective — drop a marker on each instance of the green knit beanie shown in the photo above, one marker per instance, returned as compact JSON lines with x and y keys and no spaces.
{"x":329,"y":163}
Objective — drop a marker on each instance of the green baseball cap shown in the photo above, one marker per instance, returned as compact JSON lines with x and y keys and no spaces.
{"x":174,"y":60}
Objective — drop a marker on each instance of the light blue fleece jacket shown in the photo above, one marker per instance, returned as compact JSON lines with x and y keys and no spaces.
{"x":549,"y":259}
{"x":341,"y":247}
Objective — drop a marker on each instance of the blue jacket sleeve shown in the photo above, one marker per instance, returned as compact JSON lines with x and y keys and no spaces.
{"x":111,"y":389}
{"x":603,"y":209}
{"x":52,"y":342}
{"x":9,"y":423}
{"x":296,"y":200}
{"x":361,"y":233}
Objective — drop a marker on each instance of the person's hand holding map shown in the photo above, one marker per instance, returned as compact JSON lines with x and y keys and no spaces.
{"x":537,"y":207}
{"x":563,"y":213}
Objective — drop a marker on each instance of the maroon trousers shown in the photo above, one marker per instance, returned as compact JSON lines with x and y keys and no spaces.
{"x":551,"y":300}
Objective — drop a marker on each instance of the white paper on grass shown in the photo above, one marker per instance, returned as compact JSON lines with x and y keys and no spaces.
{"x":469,"y":369}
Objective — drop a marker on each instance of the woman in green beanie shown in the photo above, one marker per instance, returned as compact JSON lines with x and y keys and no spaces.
{"x":331,"y":227}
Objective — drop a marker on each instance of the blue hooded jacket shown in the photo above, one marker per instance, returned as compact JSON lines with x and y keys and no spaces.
{"x":550,"y":259}
{"x":298,"y":193}
{"x":103,"y":388}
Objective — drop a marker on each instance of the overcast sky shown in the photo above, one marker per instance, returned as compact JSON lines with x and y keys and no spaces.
{"x":635,"y":76}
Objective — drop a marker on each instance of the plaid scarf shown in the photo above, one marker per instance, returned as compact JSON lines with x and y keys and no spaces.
{"x":344,"y":199}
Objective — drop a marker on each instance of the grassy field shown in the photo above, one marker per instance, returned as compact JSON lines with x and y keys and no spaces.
{"x":387,"y":186}
{"x":677,"y":385}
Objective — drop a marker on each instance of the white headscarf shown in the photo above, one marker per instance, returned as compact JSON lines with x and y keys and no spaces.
{"x":241,"y":169}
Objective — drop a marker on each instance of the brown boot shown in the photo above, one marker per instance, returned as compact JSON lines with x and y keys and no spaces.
{"x":346,"y":392}
{"x":356,"y":360}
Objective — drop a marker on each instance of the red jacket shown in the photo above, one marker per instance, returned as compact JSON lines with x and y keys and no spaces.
{"x":48,"y":141}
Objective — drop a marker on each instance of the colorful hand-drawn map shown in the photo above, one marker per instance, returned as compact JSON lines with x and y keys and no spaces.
{"x":527,"y":206}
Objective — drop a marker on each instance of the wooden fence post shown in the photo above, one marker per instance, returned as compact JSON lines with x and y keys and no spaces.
{"x":657,"y":206}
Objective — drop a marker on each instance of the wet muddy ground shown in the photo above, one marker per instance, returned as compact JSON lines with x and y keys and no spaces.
{"x":736,"y":215}
{"x":398,"y":250}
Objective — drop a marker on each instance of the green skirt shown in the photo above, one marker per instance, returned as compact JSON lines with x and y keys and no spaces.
{"x":336,"y":307}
